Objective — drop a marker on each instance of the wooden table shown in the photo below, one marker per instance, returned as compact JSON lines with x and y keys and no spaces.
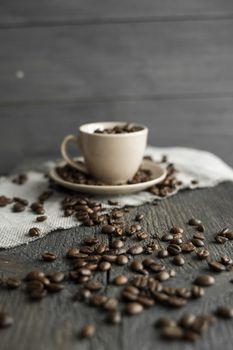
{"x":54,"y":322}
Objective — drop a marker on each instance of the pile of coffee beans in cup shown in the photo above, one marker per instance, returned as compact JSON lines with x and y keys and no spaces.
{"x":119,"y":129}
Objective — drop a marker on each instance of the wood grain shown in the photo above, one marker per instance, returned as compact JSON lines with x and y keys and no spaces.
{"x":117,"y":60}
{"x":29,"y":13}
{"x":54,"y":323}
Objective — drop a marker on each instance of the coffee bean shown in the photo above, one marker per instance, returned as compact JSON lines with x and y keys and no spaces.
{"x":117,"y":243}
{"x":122,"y":260}
{"x":135,"y":250}
{"x":216,"y":266}
{"x":229,"y":235}
{"x":226,"y":260}
{"x":187,"y":320}
{"x":199,"y":235}
{"x":197,"y":291}
{"x":178,"y":260}
{"x":108,"y":229}
{"x":35,"y":275}
{"x":38,"y":294}
{"x":194,"y":222}
{"x":105,"y":266}
{"x":163,"y":253}
{"x":197,"y":242}
{"x":34,"y":285}
{"x":13,"y":282}
{"x":156,"y":267}
{"x":87,"y":331}
{"x":83,"y":271}
{"x":111,"y":304}
{"x":82,"y":295}
{"x":18,"y":207}
{"x":176,"y":301}
{"x":94,"y":285}
{"x":4,"y":201}
{"x":134,"y":308}
{"x":201,"y":228}
{"x":145,"y":301}
{"x":165,"y":322}
{"x":48,"y":256}
{"x":224,"y":311}
{"x":142,"y":235}
{"x":167,"y":237}
{"x":6,"y":320}
{"x":114,"y":317}
{"x":174,"y":249}
{"x":55,"y":287}
{"x":139,"y":217}
{"x":202,"y":254}
{"x":20,"y":179}
{"x":41,"y":218}
{"x":136,"y":265}
{"x":56,"y":277}
{"x":21,"y":201}
{"x":34,"y":232}
{"x":110,"y":258}
{"x":172,"y":332}
{"x":184,"y":293}
{"x":120,"y":280}
{"x":97,"y":300}
{"x":187,"y":247}
{"x":73,"y":253}
{"x":220,"y":239}
{"x":200,"y":324}
{"x":163,"y":276}
{"x":204,"y":280}
{"x":190,"y":336}
{"x":175,"y":230}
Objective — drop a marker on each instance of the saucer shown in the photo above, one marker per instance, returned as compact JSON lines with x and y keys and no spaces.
{"x":158,"y":175}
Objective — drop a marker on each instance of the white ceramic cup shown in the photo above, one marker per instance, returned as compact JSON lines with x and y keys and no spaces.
{"x":111,"y":158}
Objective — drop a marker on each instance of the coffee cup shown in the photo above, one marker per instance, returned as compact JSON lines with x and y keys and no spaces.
{"x":112,"y":158}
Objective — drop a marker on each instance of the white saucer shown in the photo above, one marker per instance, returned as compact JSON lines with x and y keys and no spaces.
{"x":158,"y":175}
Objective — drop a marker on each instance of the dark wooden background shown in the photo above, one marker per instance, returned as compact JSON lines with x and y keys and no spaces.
{"x":167,"y":64}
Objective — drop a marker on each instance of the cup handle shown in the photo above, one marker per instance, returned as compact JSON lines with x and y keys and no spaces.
{"x":70,"y":161}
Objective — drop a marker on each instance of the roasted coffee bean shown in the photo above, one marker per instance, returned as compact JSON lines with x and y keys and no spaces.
{"x":163,"y":253}
{"x":216,"y":266}
{"x":184,"y":293}
{"x":94,"y":285}
{"x":20,"y":179}
{"x":160,"y":297}
{"x":105,"y":266}
{"x":82,"y":295}
{"x":55,"y":287}
{"x":197,"y":242}
{"x":34,"y":285}
{"x":229,"y":235}
{"x":163,"y":276}
{"x":87,"y":331}
{"x":83,"y":271}
{"x":176,"y":241}
{"x":135,"y":250}
{"x":34,"y":232}
{"x":190,"y":336}
{"x":201,"y":228}
{"x":100,"y":248}
{"x":225,"y":260}
{"x":4,"y":201}
{"x":134,"y":308}
{"x":6,"y":320}
{"x":194,"y":222}
{"x":175,"y":230}
{"x":142,"y":235}
{"x":199,"y":235}
{"x":178,"y":260}
{"x":97,"y":300}
{"x":167,"y":237}
{"x":114,"y":317}
{"x":139,"y":217}
{"x":111,"y":304}
{"x":224,"y":311}
{"x":136,"y":265}
{"x":117,"y":244}
{"x":38,"y":294}
{"x":172,"y":273}
{"x":108,"y":229}
{"x":41,"y":218}
{"x":35,"y":275}
{"x":13,"y":282}
{"x":174,"y":249}
{"x":109,"y":257}
{"x":147,"y":262}
{"x":48,"y":256}
{"x":129,"y":296}
{"x":187,"y":247}
{"x":200,"y":324}
{"x":122,"y":260}
{"x":176,"y":302}
{"x":202,"y":254}
{"x":204,"y":280}
{"x":145,"y":301}
{"x":90,"y":241}
{"x":197,"y":291}
{"x":18,"y":207}
{"x":187,"y":320}
{"x":21,"y":201}
{"x":120,"y":280}
{"x":156,"y":267}
{"x":73,"y":253}
{"x":165,"y":322}
{"x":220,"y":239}
{"x":132,"y":290}
{"x":172,"y":332}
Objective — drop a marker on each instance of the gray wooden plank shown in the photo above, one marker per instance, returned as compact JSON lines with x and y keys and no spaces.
{"x":53,"y":323}
{"x":28,"y":132}
{"x":43,"y":12}
{"x":173,"y":58}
